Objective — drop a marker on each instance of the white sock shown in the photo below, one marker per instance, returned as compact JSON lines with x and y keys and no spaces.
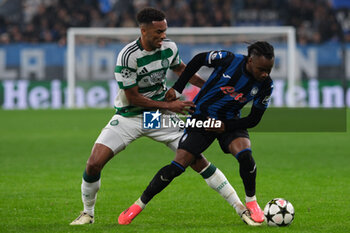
{"x":140,"y":203}
{"x":249,"y":199}
{"x":89,"y":195}
{"x":219,"y":183}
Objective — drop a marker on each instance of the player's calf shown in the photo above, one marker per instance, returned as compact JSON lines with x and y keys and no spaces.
{"x":163,"y":177}
{"x":247,"y":171}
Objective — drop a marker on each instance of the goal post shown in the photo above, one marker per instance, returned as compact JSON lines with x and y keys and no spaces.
{"x":179,"y":35}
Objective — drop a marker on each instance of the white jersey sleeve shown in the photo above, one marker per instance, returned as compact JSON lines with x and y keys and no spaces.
{"x":126,"y":67}
{"x":176,"y":61}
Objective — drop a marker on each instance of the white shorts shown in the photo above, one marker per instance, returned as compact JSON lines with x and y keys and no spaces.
{"x":121,"y":131}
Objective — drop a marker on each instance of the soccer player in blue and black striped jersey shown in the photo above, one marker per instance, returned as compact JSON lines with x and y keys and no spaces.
{"x":235,"y":81}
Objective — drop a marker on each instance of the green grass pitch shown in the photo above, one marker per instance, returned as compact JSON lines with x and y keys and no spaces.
{"x":43,"y":155}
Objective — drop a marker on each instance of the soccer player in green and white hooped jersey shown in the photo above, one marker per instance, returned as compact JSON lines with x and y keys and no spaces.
{"x":141,"y":74}
{"x":145,"y":69}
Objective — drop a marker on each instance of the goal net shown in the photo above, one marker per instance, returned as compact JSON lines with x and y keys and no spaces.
{"x":92,"y":52}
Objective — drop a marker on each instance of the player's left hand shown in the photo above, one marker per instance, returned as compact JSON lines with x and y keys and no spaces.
{"x":170,"y":95}
{"x":220,"y":129}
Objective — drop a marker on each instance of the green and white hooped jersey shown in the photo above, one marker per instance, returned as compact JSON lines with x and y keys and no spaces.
{"x":147,"y":70}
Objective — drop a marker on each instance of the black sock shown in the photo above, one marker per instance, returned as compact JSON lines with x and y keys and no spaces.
{"x":247,"y":170}
{"x":163,"y":177}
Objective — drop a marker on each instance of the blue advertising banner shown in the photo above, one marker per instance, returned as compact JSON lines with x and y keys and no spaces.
{"x":48,"y":61}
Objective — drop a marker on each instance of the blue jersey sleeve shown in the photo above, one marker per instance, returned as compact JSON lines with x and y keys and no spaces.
{"x":217,"y":58}
{"x":262,"y":100}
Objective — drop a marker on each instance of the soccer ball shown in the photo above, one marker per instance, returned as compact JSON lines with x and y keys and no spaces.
{"x":279,"y":212}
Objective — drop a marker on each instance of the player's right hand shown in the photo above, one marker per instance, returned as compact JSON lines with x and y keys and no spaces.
{"x":170,"y":95}
{"x":181,"y":106}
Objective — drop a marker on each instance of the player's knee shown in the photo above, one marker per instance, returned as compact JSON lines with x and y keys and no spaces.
{"x":168,"y":173}
{"x":93,"y":168}
{"x":245,"y":158}
{"x":199,"y":163}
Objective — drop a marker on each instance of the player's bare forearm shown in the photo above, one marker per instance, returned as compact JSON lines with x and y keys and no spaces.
{"x":136,"y":99}
{"x":179,"y":69}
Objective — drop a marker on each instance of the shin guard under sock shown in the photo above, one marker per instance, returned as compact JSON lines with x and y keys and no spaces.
{"x":247,"y":171}
{"x":163,"y":177}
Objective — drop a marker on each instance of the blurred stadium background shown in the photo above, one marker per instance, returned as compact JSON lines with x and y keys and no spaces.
{"x":33,"y":39}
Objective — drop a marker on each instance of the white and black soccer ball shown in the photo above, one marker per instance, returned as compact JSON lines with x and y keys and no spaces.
{"x":279,"y":212}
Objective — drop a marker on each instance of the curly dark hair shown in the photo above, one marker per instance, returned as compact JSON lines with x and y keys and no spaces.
{"x":261,"y":48}
{"x":149,"y":14}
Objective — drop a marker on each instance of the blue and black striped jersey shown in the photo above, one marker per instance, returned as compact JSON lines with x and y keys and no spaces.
{"x":230,"y":87}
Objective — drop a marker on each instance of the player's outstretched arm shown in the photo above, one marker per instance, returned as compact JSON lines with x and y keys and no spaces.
{"x":136,"y":99}
{"x":195,"y":79}
{"x":249,"y":121}
{"x":193,"y":66}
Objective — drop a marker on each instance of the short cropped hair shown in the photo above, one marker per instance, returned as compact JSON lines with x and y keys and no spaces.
{"x":261,"y":48}
{"x":149,"y":14}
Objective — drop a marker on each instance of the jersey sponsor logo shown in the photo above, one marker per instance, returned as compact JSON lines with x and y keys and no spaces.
{"x":151,"y":120}
{"x":157,"y":76}
{"x":227,"y":90}
{"x":126,"y":73}
{"x":226,"y":76}
{"x":154,"y":78}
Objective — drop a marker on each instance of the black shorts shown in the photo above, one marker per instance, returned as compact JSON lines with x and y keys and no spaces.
{"x":196,"y":142}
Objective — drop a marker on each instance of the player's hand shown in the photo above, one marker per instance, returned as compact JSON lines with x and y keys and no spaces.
{"x":181,"y":106}
{"x":170,"y":95}
{"x":220,"y":129}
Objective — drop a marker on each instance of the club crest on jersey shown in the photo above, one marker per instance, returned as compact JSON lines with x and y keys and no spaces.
{"x":228,"y":90}
{"x":165,"y":63}
{"x":114,"y":122}
{"x":254,"y":91}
